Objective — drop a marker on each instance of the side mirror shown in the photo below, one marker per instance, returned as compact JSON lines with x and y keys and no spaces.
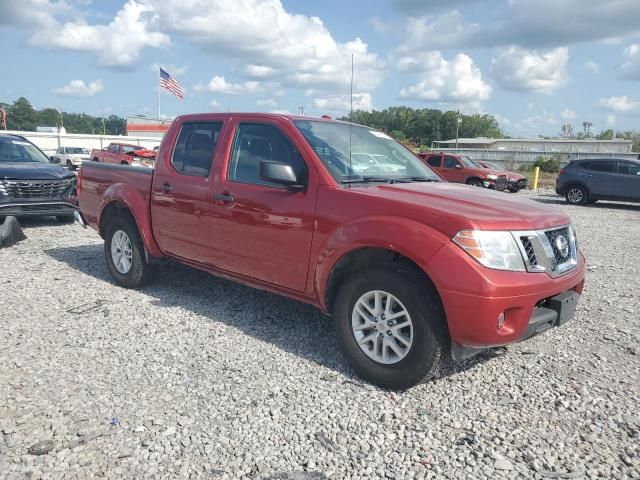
{"x":458,"y":166}
{"x":281,"y":174}
{"x":53,"y":159}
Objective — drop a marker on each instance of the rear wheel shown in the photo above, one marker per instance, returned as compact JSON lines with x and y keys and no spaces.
{"x":474,"y":182}
{"x":390,"y":326}
{"x":95,"y":159}
{"x":125,"y":255}
{"x":577,"y":195}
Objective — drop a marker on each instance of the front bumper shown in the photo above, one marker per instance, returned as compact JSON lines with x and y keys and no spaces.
{"x":517,"y":184}
{"x":474,"y":298}
{"x":39,"y":207}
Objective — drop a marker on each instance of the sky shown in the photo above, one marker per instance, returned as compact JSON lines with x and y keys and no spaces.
{"x":533,"y":64}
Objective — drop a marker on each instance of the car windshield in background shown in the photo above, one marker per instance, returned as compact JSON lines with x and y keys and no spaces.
{"x":76,"y":150}
{"x":20,"y":151}
{"x":374,"y":155}
{"x":495,"y":166}
{"x":469,"y":162}
{"x":131,"y":148}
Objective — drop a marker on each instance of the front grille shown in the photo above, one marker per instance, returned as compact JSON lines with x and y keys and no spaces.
{"x":552,"y":235}
{"x":501,"y":181}
{"x":39,"y":208}
{"x":528,"y":249}
{"x":33,"y":189}
{"x":541,"y":250}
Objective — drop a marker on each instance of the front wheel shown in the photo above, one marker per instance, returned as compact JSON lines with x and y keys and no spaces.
{"x":577,"y":195}
{"x":391,"y":326}
{"x":474,"y":182}
{"x":124,"y":254}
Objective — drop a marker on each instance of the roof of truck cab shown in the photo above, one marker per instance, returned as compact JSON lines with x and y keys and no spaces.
{"x":198,"y":116}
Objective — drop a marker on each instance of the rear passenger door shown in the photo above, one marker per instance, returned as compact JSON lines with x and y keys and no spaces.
{"x":601,"y":179}
{"x":627,"y":181}
{"x":181,"y":202}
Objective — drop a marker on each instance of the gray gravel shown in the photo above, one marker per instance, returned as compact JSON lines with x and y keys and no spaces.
{"x":198,"y":377}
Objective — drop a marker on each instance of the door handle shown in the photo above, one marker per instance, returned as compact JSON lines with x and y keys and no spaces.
{"x":223,"y":197}
{"x":166,"y":187}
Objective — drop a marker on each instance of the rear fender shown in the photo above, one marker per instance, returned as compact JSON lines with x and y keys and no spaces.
{"x":410,"y":238}
{"x":138,"y":206}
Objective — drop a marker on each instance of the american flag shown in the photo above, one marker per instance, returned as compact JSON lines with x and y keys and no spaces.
{"x":171,"y":84}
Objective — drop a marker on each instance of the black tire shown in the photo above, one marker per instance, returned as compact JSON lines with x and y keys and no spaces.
{"x":65,"y":218}
{"x":95,"y":159}
{"x":70,"y":165}
{"x":429,"y":346}
{"x":576,"y":195}
{"x":140,"y":272}
{"x":475,"y":182}
{"x":515,"y":189}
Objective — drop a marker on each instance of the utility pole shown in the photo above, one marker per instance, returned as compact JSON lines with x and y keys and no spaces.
{"x":458,"y":122}
{"x":301,"y":110}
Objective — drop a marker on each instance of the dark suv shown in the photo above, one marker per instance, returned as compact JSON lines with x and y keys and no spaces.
{"x":30,"y":185}
{"x":587,"y":181}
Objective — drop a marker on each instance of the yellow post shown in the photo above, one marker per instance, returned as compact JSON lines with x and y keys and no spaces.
{"x":535,"y":178}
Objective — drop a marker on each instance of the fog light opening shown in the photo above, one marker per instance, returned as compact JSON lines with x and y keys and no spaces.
{"x":501,"y":319}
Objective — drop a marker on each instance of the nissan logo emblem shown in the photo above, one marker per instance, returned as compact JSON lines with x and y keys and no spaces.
{"x":562,"y":245}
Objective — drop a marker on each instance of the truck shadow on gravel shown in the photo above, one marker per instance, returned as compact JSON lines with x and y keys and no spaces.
{"x":292,"y":326}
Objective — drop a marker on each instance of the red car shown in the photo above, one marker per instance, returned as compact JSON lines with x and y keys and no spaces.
{"x":413,"y":269}
{"x":463,"y":169}
{"x":124,"y":154}
{"x":515,"y":181}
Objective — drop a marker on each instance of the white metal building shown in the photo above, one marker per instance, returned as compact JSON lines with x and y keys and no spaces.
{"x":542,"y":145}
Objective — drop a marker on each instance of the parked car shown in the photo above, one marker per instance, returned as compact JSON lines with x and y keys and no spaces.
{"x":124,"y":154}
{"x":30,"y":185}
{"x":463,"y":169}
{"x":72,"y":157}
{"x":412,"y":268}
{"x":515,"y":181}
{"x":587,"y":181}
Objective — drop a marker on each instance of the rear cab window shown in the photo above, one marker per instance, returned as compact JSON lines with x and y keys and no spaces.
{"x":196,"y":144}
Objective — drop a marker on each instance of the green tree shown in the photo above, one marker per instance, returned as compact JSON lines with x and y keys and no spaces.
{"x":21,"y":115}
{"x":605,"y":135}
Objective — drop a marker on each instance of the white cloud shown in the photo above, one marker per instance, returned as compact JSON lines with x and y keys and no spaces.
{"x":342,"y":103}
{"x":267,"y":102}
{"x":170,"y":68}
{"x":531,"y":70}
{"x":622,"y":104}
{"x":78,"y":88}
{"x":281,"y":112}
{"x":294,"y":49}
{"x":218,"y":84}
{"x":32,"y":14}
{"x":630,"y":69}
{"x":216,"y":106}
{"x":118,"y":44}
{"x":433,"y":33}
{"x":568,"y":114}
{"x":592,"y":66}
{"x":457,"y":80}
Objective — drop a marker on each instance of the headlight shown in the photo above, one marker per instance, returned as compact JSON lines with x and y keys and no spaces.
{"x":492,"y":249}
{"x":492,"y":177}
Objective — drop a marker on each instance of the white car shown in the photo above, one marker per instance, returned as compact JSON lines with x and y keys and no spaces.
{"x":72,"y":157}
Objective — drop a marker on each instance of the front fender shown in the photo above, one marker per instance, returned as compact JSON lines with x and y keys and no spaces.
{"x":410,"y":238}
{"x":138,"y":205}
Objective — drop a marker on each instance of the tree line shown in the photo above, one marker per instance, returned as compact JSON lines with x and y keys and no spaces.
{"x":421,"y":126}
{"x":22,"y":116}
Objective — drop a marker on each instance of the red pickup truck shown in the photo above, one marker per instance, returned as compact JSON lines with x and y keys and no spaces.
{"x":463,"y":169}
{"x":124,"y":154}
{"x":414,"y":270}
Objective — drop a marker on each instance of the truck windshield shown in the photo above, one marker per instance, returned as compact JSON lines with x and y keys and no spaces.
{"x":374,"y":155}
{"x":469,"y":162}
{"x":76,"y":150}
{"x":131,"y":148}
{"x":21,"y":151}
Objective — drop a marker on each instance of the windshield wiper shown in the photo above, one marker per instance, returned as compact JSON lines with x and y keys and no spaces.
{"x":424,"y":179}
{"x":371,"y":179}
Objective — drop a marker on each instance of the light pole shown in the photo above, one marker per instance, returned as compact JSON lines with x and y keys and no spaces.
{"x":458,"y":122}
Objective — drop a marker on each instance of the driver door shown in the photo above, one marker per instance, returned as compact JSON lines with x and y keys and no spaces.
{"x":259,"y":229}
{"x":453,"y":170}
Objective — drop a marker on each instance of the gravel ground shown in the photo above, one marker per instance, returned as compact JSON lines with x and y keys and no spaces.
{"x":198,"y":377}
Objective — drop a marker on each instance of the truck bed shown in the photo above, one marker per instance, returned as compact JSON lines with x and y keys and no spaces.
{"x":125,"y":181}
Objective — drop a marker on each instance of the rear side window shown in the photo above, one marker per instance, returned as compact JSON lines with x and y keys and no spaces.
{"x":628,"y":168}
{"x":434,"y":160}
{"x":605,"y":166}
{"x":255,"y":143}
{"x":194,"y":149}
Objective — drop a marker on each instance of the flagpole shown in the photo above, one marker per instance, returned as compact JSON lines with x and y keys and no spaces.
{"x":158,"y":94}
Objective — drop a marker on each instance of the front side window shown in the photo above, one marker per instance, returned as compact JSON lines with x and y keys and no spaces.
{"x":131,"y":148}
{"x":345,"y":149}
{"x":193,"y":154}
{"x":20,"y":151}
{"x":434,"y":160}
{"x":116,"y":149}
{"x":628,"y":168}
{"x":76,"y":150}
{"x":606,"y":166}
{"x":450,"y":162}
{"x":255,"y":143}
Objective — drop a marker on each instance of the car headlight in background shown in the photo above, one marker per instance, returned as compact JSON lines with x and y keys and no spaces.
{"x":493,"y":249}
{"x":492,"y":177}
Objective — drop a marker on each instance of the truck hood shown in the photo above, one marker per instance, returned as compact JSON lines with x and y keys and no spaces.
{"x":459,"y":207}
{"x":32,"y":171}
